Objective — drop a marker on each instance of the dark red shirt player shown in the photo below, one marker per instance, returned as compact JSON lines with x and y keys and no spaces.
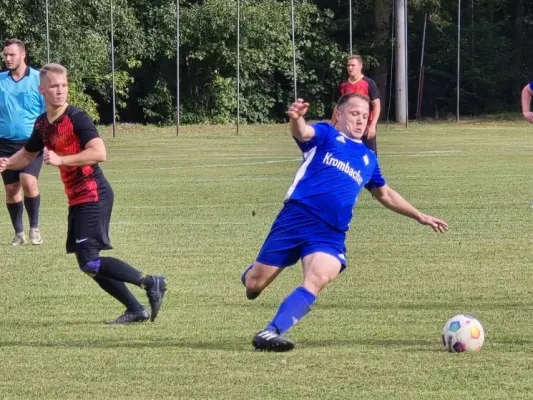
{"x":70,"y":141}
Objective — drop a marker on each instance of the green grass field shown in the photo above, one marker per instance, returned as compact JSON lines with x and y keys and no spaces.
{"x":184,"y":207}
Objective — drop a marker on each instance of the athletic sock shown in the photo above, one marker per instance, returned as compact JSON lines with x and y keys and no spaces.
{"x":119,"y":270}
{"x":119,"y":291}
{"x":32,"y":205}
{"x":292,"y":309}
{"x":15,"y":212}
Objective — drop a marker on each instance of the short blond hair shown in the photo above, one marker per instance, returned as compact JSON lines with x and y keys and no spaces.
{"x":356,"y":57}
{"x":52,"y":67}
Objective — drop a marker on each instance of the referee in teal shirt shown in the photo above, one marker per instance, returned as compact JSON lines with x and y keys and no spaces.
{"x":20,"y":105}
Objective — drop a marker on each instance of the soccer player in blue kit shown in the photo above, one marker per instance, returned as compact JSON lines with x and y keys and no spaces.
{"x":318,"y":208}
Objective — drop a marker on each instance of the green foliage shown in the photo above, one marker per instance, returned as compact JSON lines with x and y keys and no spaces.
{"x":208,"y":60}
{"x":78,"y":98}
{"x":157,"y":106}
{"x":493,"y":41}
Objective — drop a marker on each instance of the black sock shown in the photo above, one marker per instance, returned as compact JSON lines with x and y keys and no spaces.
{"x":119,"y":291}
{"x":119,"y":270}
{"x":32,"y":205}
{"x":15,"y":212}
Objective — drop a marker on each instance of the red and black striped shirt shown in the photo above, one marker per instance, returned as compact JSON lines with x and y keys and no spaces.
{"x":66,"y":136}
{"x":364,"y":86}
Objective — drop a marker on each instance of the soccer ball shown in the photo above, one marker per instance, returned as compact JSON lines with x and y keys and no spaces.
{"x":463,"y":333}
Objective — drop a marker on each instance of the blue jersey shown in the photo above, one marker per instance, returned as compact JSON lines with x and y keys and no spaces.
{"x":20,"y":105}
{"x":334,"y":170}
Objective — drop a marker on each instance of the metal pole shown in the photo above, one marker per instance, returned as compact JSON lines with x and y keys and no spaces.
{"x":401,"y":61}
{"x":458,"y":53}
{"x":177,"y":67}
{"x":391,"y":61}
{"x":351,"y":30}
{"x":293,"y":51}
{"x":47,"y":34}
{"x":419,"y":98}
{"x":238,"y":63}
{"x":406,"y":64}
{"x":113,"y":69}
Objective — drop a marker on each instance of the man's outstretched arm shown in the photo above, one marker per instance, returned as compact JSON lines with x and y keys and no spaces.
{"x":395,"y":202}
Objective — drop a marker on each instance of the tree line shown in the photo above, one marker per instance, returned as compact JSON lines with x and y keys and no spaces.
{"x":496,"y":61}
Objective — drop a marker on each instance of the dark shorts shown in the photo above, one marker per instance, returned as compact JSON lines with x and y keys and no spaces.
{"x":10,"y":147}
{"x":297,"y":233}
{"x":371,"y":143}
{"x":88,"y":229}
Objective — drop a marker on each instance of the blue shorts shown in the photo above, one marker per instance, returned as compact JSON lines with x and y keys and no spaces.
{"x":296,"y":233}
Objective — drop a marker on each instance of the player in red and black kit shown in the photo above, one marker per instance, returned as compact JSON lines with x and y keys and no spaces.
{"x":71,"y":142}
{"x":358,"y":83}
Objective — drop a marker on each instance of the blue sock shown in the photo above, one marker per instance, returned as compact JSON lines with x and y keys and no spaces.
{"x":294,"y":307}
{"x":243,"y":276}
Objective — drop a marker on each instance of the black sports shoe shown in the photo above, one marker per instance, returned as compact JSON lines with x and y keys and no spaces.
{"x":155,"y":293}
{"x":252,"y":295}
{"x":130,"y":317}
{"x":271,"y":341}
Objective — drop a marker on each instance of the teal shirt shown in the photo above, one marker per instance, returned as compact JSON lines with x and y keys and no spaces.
{"x":20,"y":105}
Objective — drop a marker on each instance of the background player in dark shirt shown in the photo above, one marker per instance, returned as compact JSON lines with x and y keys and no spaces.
{"x":360,"y":84}
{"x":71,"y":142}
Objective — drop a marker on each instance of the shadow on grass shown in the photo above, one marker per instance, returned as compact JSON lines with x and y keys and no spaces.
{"x":28,"y":324}
{"x":125,"y":344}
{"x":411,"y":345}
{"x":222,"y":345}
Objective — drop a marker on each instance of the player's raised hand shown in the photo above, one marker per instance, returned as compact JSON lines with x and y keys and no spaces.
{"x":3,"y":164}
{"x":298,"y":109}
{"x":51,"y":158}
{"x":437,"y":224}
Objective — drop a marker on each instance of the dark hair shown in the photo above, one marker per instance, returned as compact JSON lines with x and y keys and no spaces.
{"x":346,"y":97}
{"x":19,"y":43}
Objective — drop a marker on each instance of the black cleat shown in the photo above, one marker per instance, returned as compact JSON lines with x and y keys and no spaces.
{"x":130,"y":317}
{"x":155,"y":293}
{"x":252,"y":295}
{"x":271,"y":341}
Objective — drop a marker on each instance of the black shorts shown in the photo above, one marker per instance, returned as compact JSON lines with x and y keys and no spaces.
{"x":10,"y":147}
{"x":88,"y":228}
{"x":370,"y":143}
